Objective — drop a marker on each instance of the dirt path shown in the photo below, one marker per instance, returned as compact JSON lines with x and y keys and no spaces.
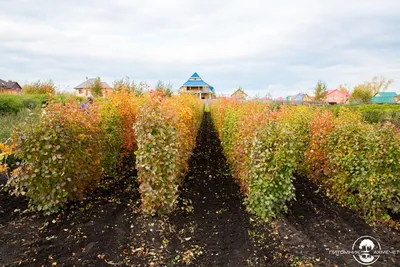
{"x":209,"y":228}
{"x":315,"y":225}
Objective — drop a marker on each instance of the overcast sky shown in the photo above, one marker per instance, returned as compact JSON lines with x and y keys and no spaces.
{"x":279,"y":47}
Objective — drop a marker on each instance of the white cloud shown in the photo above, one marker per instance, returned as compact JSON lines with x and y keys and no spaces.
{"x":265,"y":46}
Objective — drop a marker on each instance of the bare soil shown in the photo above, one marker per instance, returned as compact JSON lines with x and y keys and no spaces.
{"x":210,"y":227}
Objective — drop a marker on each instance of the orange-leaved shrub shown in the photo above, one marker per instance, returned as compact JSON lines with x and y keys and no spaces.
{"x":316,"y":155}
{"x":60,"y":156}
{"x":5,"y":152}
{"x":237,"y":124}
{"x":118,"y":116}
{"x":166,"y":129}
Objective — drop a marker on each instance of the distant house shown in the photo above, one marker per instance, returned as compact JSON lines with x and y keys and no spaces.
{"x":384,"y":98}
{"x":85,"y":88}
{"x":300,"y":98}
{"x":337,"y":96}
{"x":239,"y":94}
{"x":9,"y":87}
{"x":196,"y":86}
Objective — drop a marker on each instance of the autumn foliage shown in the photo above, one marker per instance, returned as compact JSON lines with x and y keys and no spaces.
{"x":166,"y":130}
{"x":356,"y":162}
{"x":60,"y":156}
{"x":118,"y":115}
{"x":65,"y":154}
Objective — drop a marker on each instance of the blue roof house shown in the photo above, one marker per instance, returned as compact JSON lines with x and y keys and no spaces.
{"x":196,"y":86}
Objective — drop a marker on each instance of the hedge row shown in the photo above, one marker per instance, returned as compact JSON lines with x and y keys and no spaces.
{"x":60,"y":156}
{"x":374,"y":113}
{"x":64,"y":155}
{"x":358,"y":163}
{"x":166,"y":130}
{"x":12,"y":104}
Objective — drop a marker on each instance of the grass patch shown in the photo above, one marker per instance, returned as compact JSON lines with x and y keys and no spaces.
{"x":9,"y":121}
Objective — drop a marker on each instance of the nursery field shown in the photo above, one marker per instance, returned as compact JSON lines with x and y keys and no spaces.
{"x":152,"y":181}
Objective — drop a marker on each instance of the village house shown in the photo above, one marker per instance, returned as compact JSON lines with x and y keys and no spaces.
{"x":239,"y":94}
{"x":384,"y":98}
{"x":85,"y":88}
{"x":337,"y":96}
{"x":300,"y":98}
{"x":196,"y":86}
{"x":9,"y":87}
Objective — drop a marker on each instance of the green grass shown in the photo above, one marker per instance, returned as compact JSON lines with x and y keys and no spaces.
{"x":14,"y":103}
{"x":9,"y":121}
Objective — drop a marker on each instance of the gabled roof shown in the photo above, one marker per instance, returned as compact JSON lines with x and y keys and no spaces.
{"x":195,"y":83}
{"x":239,"y":90}
{"x":337,"y":90}
{"x":300,"y":97}
{"x":9,"y":84}
{"x":89,"y":83}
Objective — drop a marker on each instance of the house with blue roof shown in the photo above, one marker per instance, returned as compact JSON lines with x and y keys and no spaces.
{"x":196,"y":86}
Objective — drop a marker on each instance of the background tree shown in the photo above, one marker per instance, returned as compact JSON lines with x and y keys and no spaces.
{"x":46,"y":87}
{"x":123,"y":84}
{"x":96,"y":88}
{"x":378,"y":84}
{"x":344,"y":88}
{"x":165,"y":88}
{"x":320,"y":91}
{"x":363,"y":93}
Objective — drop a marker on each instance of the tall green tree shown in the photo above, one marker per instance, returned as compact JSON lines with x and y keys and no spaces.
{"x":96,"y":88}
{"x":321,"y":91}
{"x":361,"y":95}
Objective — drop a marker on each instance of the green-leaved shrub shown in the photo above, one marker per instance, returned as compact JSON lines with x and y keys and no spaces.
{"x":364,"y":162}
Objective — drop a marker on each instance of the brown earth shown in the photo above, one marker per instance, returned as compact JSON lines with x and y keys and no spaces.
{"x":211,"y":226}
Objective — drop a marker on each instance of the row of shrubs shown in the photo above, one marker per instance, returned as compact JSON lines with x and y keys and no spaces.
{"x":12,"y":104}
{"x":358,"y":163}
{"x":65,"y":154}
{"x":166,"y":131}
{"x":375,"y":113}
